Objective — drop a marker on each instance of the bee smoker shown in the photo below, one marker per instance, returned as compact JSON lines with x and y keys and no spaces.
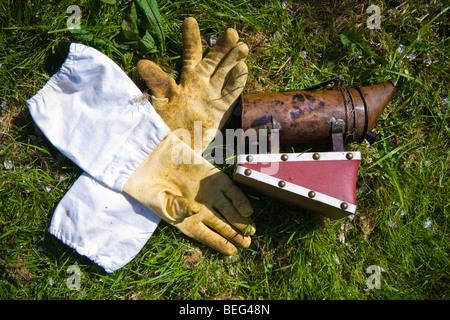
{"x":323,"y":182}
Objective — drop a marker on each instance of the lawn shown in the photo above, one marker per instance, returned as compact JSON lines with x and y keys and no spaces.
{"x":395,"y":247}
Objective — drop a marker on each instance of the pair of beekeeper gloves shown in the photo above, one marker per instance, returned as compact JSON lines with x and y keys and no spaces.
{"x":135,"y":164}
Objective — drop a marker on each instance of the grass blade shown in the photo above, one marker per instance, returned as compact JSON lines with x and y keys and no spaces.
{"x":154,"y":20}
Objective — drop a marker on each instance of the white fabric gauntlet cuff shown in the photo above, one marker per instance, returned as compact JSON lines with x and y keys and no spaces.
{"x":108,"y":227}
{"x":95,"y":115}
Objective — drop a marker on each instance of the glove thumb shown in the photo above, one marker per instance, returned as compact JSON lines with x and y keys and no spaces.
{"x":175,"y":208}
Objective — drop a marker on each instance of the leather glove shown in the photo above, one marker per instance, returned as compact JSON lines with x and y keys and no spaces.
{"x":193,"y":195}
{"x":208,"y":88}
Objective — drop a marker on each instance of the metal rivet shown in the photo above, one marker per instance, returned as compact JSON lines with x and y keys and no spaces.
{"x":248,"y":172}
{"x":281,"y":184}
{"x":249,"y":158}
{"x":316,"y":156}
{"x":311,"y":194}
{"x":344,"y":205}
{"x":349,"y":156}
{"x":284,"y":157}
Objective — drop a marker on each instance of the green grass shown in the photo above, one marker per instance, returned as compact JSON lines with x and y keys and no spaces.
{"x":403,"y":194}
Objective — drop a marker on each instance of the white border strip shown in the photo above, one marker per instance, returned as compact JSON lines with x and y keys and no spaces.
{"x":307,"y":156}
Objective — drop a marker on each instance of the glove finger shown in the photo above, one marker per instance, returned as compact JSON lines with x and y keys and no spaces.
{"x":192,"y":45}
{"x":211,"y":238}
{"x":222,"y":227}
{"x":229,"y":212}
{"x":240,"y":201}
{"x":159,"y":82}
{"x":235,"y":83}
{"x":223,"y":45}
{"x":238,"y":54}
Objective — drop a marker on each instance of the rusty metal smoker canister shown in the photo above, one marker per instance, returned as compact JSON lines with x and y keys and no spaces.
{"x":312,"y":116}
